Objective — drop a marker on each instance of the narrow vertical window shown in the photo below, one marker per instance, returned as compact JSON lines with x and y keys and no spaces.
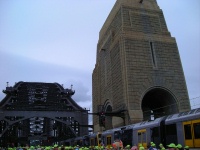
{"x":152,"y":54}
{"x":105,"y":67}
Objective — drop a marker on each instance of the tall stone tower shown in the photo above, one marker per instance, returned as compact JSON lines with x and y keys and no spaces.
{"x":138,"y":67}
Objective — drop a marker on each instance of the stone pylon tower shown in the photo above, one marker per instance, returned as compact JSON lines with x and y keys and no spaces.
{"x":138,"y":67}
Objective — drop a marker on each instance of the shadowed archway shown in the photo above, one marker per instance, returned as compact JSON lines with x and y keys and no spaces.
{"x":158,"y":102}
{"x":108,"y":124}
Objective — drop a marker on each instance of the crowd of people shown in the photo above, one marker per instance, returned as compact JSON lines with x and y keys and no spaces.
{"x":152,"y":146}
{"x":115,"y":146}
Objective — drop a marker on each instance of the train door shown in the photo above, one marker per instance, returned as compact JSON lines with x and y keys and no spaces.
{"x":86,"y":141}
{"x":98,"y":139}
{"x":192,"y":133}
{"x":171,"y":133}
{"x":127,"y":137}
{"x":108,"y":141}
{"x":80,"y":143}
{"x":155,"y":135}
{"x":92,"y":142}
{"x":142,"y":137}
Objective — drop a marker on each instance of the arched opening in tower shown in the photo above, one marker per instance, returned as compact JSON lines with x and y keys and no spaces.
{"x":158,"y":102}
{"x":108,"y":121}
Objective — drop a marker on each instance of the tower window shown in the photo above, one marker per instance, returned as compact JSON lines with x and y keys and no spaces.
{"x":153,"y":54}
{"x":141,"y":1}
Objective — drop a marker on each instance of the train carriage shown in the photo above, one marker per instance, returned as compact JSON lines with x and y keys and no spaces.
{"x":109,"y":136}
{"x":181,"y":128}
{"x":147,"y":131}
{"x":142,"y":133}
{"x":184,"y":128}
{"x":127,"y":135}
{"x":95,"y":139}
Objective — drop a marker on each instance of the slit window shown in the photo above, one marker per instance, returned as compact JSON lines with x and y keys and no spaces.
{"x":153,"y":54}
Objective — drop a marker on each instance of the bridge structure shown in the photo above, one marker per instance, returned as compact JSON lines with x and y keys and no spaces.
{"x":40,"y":113}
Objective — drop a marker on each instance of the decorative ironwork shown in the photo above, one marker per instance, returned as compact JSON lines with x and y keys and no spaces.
{"x":46,"y":112}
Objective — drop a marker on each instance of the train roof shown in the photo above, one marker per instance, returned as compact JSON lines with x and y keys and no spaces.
{"x":183,"y":116}
{"x":137,"y":126}
{"x":79,"y":138}
{"x":94,"y":134}
{"x":151,"y":123}
{"x":110,"y":131}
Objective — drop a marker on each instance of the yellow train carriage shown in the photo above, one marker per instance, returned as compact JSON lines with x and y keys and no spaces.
{"x":192,"y":133}
{"x":184,"y":128}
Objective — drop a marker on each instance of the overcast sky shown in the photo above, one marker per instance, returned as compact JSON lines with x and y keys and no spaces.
{"x":56,"y":40}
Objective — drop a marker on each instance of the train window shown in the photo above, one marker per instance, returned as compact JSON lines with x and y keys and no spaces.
{"x":180,"y":114}
{"x":155,"y":132}
{"x":171,"y":133}
{"x":183,"y":113}
{"x":198,"y":110}
{"x":196,"y":130}
{"x":117,"y":135}
{"x":188,"y":133}
{"x":139,"y":137}
{"x":192,"y":111}
{"x":170,"y":116}
{"x":171,"y":129}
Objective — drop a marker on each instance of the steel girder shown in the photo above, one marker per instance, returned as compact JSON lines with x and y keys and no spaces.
{"x":39,"y":111}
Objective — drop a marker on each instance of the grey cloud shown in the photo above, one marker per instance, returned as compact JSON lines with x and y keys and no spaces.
{"x":14,"y":69}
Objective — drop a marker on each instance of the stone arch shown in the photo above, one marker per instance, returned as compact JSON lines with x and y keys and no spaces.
{"x":108,"y":121}
{"x":157,"y":102}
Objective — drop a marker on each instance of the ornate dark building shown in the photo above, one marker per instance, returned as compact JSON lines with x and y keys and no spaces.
{"x":138,"y":69}
{"x":43,"y":113}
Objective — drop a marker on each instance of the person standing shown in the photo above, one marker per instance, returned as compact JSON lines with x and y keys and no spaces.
{"x":179,"y":147}
{"x":161,"y":146}
{"x":141,"y":147}
{"x":154,"y":146}
{"x":134,"y":147}
{"x":171,"y":146}
{"x":186,"y":148}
